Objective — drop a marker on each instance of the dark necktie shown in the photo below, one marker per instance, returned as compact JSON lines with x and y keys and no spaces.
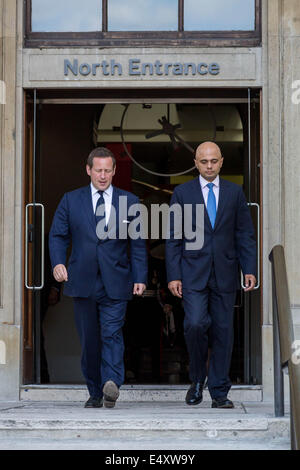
{"x":100,"y":202}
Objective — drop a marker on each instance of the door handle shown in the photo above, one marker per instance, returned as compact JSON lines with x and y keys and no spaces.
{"x":254,"y":204}
{"x":42,"y":246}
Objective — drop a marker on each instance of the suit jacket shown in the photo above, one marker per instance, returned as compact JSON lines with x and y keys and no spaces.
{"x":122,"y":262}
{"x":229,"y":244}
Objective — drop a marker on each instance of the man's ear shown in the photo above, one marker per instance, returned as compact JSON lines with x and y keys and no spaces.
{"x":88,"y":170}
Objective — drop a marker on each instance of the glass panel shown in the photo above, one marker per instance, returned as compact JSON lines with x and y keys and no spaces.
{"x":66,"y":15}
{"x":142,"y":15}
{"x":219,"y":15}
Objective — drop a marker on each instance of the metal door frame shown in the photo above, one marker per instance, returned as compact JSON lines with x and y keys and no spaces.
{"x":248,"y":353}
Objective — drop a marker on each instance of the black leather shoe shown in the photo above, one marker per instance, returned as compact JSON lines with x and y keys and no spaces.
{"x":222,"y":402}
{"x":194,"y":394}
{"x":110,"y":394}
{"x":94,"y":403}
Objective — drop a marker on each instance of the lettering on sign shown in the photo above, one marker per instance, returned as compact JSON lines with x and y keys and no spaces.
{"x":136,"y":67}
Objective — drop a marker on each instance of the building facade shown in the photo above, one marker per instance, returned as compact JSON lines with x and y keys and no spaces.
{"x":71,"y":80}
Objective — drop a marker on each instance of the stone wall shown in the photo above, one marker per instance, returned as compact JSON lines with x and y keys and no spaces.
{"x":291,"y":149}
{"x":277,"y":70}
{"x":9,"y":321}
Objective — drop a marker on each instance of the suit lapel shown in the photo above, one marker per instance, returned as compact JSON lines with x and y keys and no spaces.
{"x":115,"y":204}
{"x":198,"y":191}
{"x":223,"y":194}
{"x":89,"y":210}
{"x":88,"y":206}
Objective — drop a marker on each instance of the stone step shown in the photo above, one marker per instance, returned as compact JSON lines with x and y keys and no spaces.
{"x":168,"y":422}
{"x":135,"y":393}
{"x":150,"y":447}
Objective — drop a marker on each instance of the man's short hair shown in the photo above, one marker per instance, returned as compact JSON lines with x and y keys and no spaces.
{"x":102,"y":152}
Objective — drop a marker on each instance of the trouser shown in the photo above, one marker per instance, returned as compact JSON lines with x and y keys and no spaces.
{"x":99,"y":322}
{"x":209,"y":311}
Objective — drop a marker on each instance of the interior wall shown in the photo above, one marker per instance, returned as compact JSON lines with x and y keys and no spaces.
{"x":66,"y":139}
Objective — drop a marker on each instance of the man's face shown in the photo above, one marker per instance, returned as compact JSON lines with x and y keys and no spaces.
{"x":209,"y":162}
{"x":101,"y":173}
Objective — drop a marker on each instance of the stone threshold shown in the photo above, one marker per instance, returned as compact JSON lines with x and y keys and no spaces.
{"x":136,"y":392}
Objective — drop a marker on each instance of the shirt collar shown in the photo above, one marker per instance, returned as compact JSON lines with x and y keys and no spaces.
{"x":108,"y":190}
{"x":204,"y":182}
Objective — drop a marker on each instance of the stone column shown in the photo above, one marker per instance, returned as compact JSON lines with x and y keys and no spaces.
{"x":9,"y":320}
{"x":281,"y":163}
{"x":291,"y":150}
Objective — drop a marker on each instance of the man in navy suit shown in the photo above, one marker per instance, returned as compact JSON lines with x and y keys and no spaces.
{"x":206,"y":278}
{"x":105,"y":269}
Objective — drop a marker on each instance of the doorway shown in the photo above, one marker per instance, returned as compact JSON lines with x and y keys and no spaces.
{"x":152,"y":158}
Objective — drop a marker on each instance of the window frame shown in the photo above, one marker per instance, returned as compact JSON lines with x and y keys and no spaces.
{"x":178,"y":38}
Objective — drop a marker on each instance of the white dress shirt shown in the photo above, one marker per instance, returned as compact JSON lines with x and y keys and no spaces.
{"x":205,"y":189}
{"x":107,"y":195}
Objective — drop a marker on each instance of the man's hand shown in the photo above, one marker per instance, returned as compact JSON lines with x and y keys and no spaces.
{"x":176,"y":288}
{"x":250,"y":282}
{"x":60,"y":273}
{"x":138,"y":288}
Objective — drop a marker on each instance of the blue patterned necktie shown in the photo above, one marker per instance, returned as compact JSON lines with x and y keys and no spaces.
{"x":211,"y":205}
{"x":99,"y":203}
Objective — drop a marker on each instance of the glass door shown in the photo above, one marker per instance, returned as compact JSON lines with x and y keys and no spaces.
{"x":34,"y":249}
{"x":251,"y":118}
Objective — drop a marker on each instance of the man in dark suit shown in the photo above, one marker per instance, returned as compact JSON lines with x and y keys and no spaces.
{"x":101,"y":276}
{"x":206,"y":278}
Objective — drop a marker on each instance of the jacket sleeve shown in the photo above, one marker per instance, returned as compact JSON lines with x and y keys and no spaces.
{"x":59,"y":236}
{"x":138,"y":255}
{"x":174,"y":242}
